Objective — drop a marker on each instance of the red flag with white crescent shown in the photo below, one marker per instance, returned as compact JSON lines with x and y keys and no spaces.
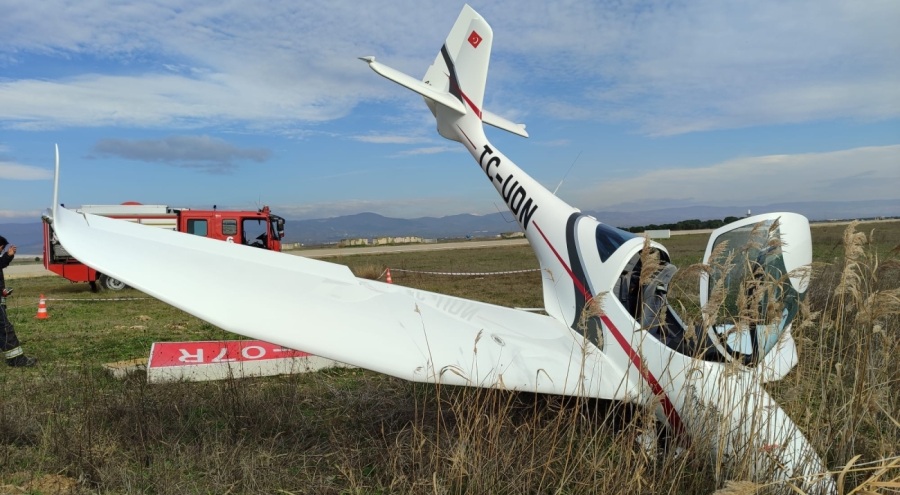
{"x":474,"y":39}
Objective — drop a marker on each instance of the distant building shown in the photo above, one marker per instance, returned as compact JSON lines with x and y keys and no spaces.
{"x":512,"y":235}
{"x":353,"y":242}
{"x":658,"y":234}
{"x":380,"y":241}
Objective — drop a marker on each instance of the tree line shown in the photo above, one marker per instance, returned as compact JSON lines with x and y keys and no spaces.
{"x":693,"y":224}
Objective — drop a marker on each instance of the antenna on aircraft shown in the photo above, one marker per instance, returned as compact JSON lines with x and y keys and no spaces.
{"x":567,"y":172}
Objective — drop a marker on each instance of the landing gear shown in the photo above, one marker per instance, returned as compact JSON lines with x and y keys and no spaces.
{"x":110,"y":283}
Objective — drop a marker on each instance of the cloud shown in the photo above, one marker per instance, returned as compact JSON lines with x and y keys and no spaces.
{"x":160,"y":101}
{"x":430,"y":150}
{"x":20,"y":214}
{"x":688,"y":66}
{"x":846,"y":175}
{"x":16,"y":171}
{"x":191,"y":65}
{"x":391,"y":139}
{"x":666,"y":68}
{"x":206,"y":153}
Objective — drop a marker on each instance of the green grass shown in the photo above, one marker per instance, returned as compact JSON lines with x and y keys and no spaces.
{"x":90,"y":327}
{"x":354,"y":431}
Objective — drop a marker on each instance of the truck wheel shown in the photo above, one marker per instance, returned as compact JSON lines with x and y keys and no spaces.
{"x":111,"y":283}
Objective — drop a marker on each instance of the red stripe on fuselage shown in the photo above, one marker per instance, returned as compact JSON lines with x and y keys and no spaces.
{"x":665,"y":402}
{"x":467,"y":137}
{"x":471,"y":104}
{"x":578,"y":285}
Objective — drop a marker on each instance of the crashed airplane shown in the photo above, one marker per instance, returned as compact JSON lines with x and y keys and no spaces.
{"x":608,"y":331}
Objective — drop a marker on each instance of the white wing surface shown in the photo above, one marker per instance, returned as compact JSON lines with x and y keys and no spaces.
{"x":323,"y":309}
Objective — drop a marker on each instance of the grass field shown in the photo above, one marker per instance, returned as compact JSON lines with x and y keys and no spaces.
{"x":67,"y":427}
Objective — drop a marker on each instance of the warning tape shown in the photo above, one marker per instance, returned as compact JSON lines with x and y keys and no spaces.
{"x":100,"y":299}
{"x":466,"y":274}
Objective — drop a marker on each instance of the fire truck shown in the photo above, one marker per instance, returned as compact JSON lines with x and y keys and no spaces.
{"x":261,"y":229}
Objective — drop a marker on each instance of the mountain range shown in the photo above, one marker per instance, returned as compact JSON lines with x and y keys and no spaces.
{"x":28,"y":236}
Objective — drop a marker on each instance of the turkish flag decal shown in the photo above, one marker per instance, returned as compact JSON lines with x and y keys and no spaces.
{"x":474,"y":39}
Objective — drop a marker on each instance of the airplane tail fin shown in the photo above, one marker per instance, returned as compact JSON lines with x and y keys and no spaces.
{"x":461,"y":67}
{"x":453,"y":85}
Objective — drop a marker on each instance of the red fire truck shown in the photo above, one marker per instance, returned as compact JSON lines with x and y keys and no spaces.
{"x":261,"y":229}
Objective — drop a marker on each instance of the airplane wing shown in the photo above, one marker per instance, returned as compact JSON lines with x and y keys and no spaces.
{"x":321,"y":308}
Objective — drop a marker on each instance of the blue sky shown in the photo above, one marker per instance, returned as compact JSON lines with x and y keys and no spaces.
{"x":239,"y":104}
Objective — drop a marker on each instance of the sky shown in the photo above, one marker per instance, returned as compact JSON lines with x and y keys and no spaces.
{"x":630,"y":105}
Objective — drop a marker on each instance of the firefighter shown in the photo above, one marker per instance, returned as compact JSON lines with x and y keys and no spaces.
{"x":9,"y":342}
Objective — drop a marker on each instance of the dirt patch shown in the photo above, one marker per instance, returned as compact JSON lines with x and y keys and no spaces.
{"x":48,"y":484}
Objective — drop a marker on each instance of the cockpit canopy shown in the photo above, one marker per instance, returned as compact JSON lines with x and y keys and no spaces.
{"x":759,"y":266}
{"x":757,"y":276}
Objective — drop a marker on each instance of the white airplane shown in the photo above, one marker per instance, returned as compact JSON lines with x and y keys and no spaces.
{"x":605,"y":335}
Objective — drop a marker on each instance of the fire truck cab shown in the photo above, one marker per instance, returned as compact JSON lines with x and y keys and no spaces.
{"x":260,"y":229}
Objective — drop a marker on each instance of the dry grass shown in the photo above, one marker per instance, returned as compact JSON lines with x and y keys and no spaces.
{"x":371,"y":272}
{"x":352,"y":431}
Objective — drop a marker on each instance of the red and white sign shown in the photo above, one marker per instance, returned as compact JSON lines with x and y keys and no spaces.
{"x":216,"y":360}
{"x":164,"y":354}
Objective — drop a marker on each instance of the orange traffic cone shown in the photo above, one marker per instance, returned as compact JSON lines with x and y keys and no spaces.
{"x":387,"y":277}
{"x":42,"y":309}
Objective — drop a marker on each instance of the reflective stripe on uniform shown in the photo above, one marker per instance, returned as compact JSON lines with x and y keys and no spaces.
{"x":14,"y":352}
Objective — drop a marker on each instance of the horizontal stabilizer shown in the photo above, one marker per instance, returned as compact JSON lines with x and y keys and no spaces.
{"x":442,"y":97}
{"x":416,"y":85}
{"x":501,"y":123}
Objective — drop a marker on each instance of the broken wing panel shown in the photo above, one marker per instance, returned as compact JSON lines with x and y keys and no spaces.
{"x":323,"y":309}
